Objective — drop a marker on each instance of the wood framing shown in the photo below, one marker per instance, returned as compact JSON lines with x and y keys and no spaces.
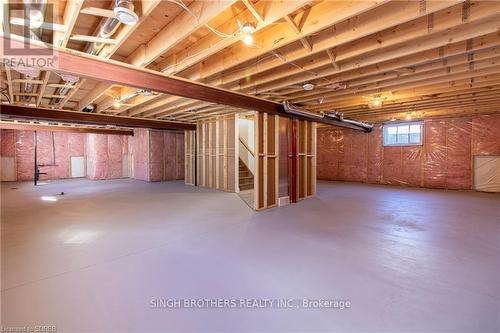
{"x":92,"y":67}
{"x":216,"y":152}
{"x":20,"y":112}
{"x":266,"y":178}
{"x":402,"y":52}
{"x":63,"y":128}
{"x":190,"y":157}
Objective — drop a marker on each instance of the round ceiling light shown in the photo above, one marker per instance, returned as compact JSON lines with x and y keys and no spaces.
{"x":308,"y":86}
{"x":248,"y":28}
{"x":248,"y":39}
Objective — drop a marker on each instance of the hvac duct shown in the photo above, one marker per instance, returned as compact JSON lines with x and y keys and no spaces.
{"x":124,"y":12}
{"x":333,"y":118}
{"x":107,"y":28}
{"x":34,"y":13}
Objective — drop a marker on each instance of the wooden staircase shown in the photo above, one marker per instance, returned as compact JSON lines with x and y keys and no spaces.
{"x":245,"y":177}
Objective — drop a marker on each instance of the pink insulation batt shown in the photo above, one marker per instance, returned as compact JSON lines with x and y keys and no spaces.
{"x":55,"y":149}
{"x":105,"y":156}
{"x":138,"y":149}
{"x":443,"y":161}
{"x":157,"y":155}
{"x":154,"y":155}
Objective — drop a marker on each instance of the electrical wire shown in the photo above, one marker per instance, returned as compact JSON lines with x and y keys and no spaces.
{"x":215,"y":31}
{"x":223,"y":35}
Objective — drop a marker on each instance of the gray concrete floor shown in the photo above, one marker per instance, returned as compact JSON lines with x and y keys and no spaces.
{"x":408,"y":260}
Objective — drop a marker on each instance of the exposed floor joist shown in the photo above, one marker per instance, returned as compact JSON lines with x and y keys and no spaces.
{"x":370,"y":49}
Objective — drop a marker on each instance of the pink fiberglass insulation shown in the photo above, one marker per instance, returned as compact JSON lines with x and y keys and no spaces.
{"x":375,"y":156}
{"x":8,"y":142}
{"x":170,"y":156}
{"x":435,"y":153}
{"x":458,"y":156}
{"x":139,"y":150}
{"x":54,"y":152}
{"x":24,"y":155}
{"x":443,"y":161}
{"x":486,"y":135}
{"x":61,"y":167}
{"x":104,"y":153}
{"x":180,"y":155}
{"x":97,"y":155}
{"x":166,"y":155}
{"x":115,"y":157}
{"x":156,"y":155}
{"x":76,"y":142}
{"x":105,"y":156}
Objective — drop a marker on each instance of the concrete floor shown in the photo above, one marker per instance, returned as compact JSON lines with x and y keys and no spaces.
{"x":408,"y":260}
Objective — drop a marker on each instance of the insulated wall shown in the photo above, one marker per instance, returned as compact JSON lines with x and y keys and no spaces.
{"x":106,"y":155}
{"x":166,"y":155}
{"x":157,"y":155}
{"x":139,"y":154}
{"x":55,"y":150}
{"x":444,"y":160}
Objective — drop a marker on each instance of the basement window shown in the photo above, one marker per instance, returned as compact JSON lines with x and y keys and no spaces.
{"x":403,"y":134}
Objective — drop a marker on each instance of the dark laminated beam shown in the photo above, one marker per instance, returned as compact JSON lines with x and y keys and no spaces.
{"x":115,"y":72}
{"x":62,"y":128}
{"x":14,"y":111}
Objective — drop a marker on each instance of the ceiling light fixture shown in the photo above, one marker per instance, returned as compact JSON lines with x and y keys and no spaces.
{"x":248,"y":39}
{"x":117,"y":104}
{"x":247,"y":30}
{"x":376,"y":103}
{"x":408,"y":116}
{"x":308,"y":86}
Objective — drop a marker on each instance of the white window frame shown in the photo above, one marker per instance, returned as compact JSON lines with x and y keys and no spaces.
{"x":406,"y":123}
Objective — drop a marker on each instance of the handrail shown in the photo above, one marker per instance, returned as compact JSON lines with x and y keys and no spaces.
{"x":246,"y":146}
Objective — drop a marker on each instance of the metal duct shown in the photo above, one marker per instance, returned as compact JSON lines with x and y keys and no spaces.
{"x":34,"y":12}
{"x":124,"y":9}
{"x":333,"y":118}
{"x":108,"y":26}
{"x":107,"y":29}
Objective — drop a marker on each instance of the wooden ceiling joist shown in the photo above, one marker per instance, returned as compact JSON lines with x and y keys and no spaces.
{"x":453,"y":55}
{"x":438,"y":56}
{"x":91,"y":67}
{"x":210,"y":44}
{"x":178,"y":30}
{"x":318,"y":19}
{"x":395,"y":43}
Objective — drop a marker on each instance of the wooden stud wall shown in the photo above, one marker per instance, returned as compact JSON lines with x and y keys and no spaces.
{"x":217,"y":162}
{"x":189,"y":162}
{"x":267,"y":163}
{"x":306,"y":159}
